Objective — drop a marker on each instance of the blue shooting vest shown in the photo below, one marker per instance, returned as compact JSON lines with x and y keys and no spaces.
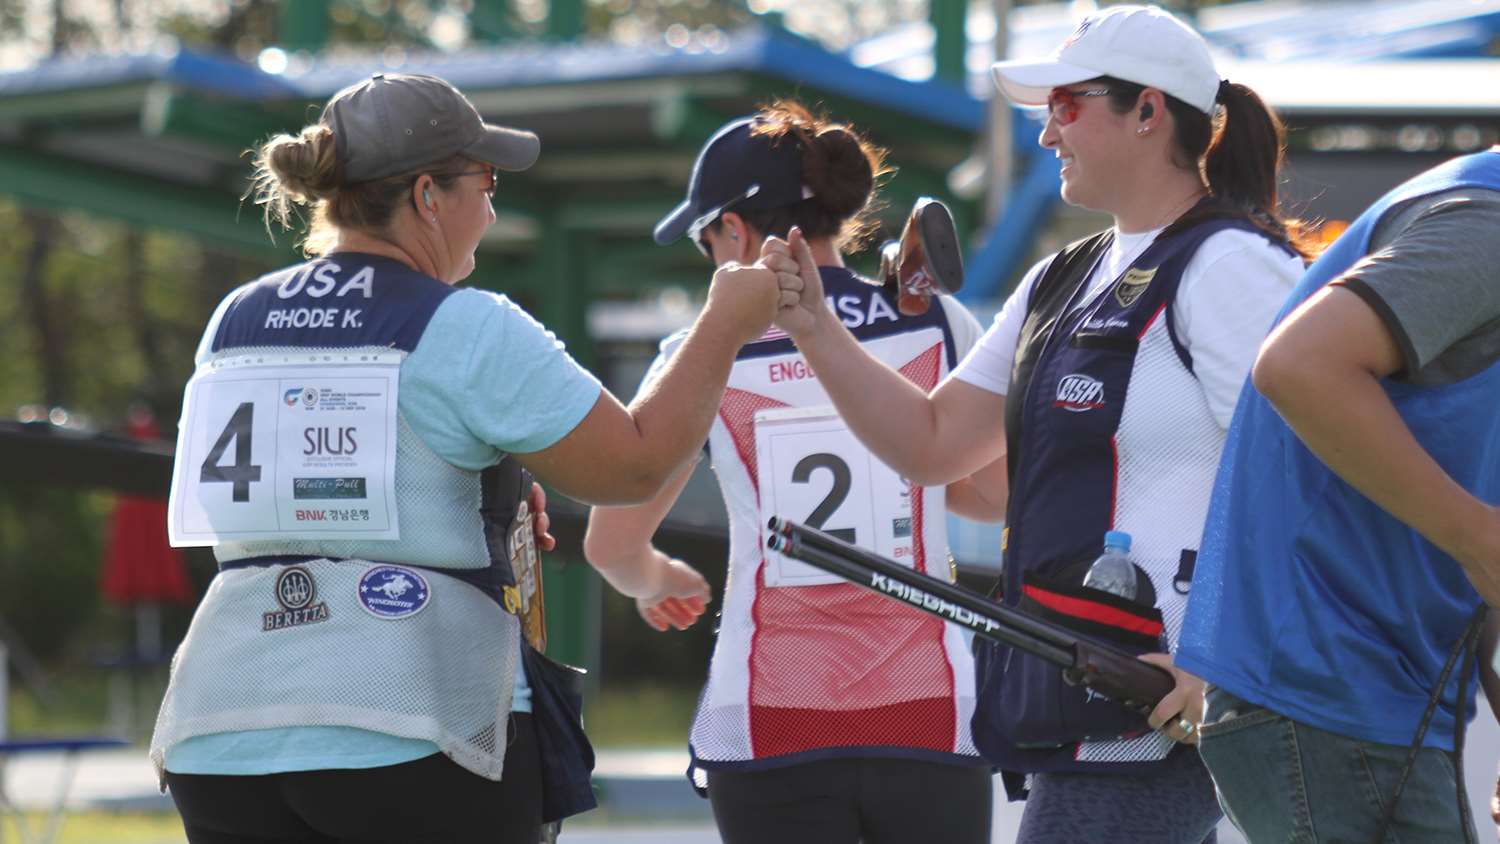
{"x":1311,"y":600}
{"x":333,"y":302}
{"x":1070,"y":379}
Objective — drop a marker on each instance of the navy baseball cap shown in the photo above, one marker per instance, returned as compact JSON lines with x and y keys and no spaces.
{"x":737,"y":170}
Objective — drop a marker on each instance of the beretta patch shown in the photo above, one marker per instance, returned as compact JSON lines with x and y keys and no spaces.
{"x":296,"y":592}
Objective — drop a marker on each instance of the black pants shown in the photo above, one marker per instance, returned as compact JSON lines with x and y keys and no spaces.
{"x":844,"y":801}
{"x":428,"y":801}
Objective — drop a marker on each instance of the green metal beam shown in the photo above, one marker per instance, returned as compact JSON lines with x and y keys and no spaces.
{"x":92,"y":105}
{"x":637,"y":212}
{"x":225,"y":123}
{"x":685,"y":120}
{"x":565,"y":20}
{"x":303,"y":24}
{"x":951,"y":41}
{"x":491,"y":22}
{"x":65,"y":185}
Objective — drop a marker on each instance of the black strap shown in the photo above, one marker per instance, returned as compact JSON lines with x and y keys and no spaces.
{"x":1187,"y":562}
{"x":1466,"y":646}
{"x":484,"y":579}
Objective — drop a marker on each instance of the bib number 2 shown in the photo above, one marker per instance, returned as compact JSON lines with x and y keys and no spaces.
{"x":802,"y":473}
{"x":812,"y":468}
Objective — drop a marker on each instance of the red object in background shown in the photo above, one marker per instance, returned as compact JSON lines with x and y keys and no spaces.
{"x":140,"y":567}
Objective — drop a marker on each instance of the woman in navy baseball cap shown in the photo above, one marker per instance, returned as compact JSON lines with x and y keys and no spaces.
{"x":830,"y":716}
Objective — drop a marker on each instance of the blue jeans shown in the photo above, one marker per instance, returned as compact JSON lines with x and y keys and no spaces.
{"x":1282,"y":781}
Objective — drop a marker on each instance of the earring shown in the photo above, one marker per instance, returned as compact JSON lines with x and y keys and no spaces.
{"x":1143,"y":130}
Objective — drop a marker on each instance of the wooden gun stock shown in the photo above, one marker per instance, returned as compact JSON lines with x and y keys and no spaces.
{"x":925,"y":261}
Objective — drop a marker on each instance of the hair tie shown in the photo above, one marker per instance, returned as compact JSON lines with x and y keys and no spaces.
{"x":1224,"y":87}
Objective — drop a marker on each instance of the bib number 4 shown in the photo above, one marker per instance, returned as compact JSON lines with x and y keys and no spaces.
{"x":241,"y":473}
{"x":287,"y":449}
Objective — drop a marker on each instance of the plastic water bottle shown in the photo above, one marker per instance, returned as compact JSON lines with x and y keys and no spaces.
{"x":1113,"y":572}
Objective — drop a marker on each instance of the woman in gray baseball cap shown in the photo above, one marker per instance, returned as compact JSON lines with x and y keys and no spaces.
{"x":354,"y":674}
{"x":1107,"y":381}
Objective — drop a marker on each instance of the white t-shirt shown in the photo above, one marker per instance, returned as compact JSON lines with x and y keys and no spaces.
{"x":1231,"y":290}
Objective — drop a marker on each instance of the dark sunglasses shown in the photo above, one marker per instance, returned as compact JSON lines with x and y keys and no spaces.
{"x":1062,"y":103}
{"x":695,"y":228}
{"x":488,"y":171}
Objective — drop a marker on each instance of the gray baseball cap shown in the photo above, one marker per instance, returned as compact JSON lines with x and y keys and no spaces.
{"x":396,"y":122}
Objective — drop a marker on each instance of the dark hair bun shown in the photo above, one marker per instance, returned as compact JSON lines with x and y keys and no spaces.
{"x":838,"y":171}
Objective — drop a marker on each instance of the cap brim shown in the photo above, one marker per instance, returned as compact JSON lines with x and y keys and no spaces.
{"x":1027,"y":83}
{"x":507,"y":149}
{"x":675,"y":224}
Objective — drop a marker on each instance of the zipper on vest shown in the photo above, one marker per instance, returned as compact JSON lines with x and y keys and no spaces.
{"x":1013,"y":536}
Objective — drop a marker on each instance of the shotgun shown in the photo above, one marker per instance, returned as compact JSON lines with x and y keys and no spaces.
{"x":1112,"y":672}
{"x":925,"y":261}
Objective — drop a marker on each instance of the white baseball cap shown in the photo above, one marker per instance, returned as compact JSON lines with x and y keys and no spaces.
{"x":1140,"y":44}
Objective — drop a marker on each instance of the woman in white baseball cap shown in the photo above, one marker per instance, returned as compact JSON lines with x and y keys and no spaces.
{"x":1108,"y":380}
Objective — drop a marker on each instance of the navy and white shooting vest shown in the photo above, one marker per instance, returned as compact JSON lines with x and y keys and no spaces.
{"x":358,"y":586}
{"x":1107,"y":429}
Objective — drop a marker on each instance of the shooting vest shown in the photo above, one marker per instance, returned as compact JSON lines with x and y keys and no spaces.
{"x":807,"y":666}
{"x":360,"y":575}
{"x":1107,"y":429}
{"x":1315,"y":602}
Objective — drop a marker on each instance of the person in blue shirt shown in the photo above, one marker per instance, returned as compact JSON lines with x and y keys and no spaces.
{"x":1353,"y":542}
{"x":353,"y":673}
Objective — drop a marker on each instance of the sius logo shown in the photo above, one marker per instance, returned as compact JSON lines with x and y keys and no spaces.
{"x":1078,"y":393}
{"x":320,"y":441}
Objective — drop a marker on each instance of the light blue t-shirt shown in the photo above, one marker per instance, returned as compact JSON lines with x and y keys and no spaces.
{"x":522,"y":393}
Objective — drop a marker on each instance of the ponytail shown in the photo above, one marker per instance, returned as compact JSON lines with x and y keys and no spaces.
{"x":1242,"y":160}
{"x":1238,"y":153}
{"x":1243,"y":164}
